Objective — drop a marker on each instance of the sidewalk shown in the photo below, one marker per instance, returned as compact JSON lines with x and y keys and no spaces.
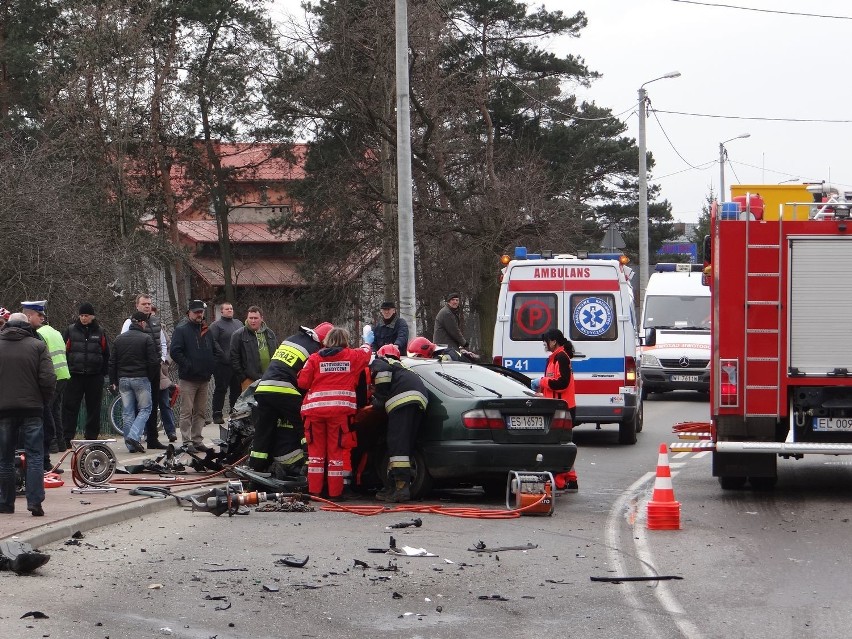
{"x":66,"y":512}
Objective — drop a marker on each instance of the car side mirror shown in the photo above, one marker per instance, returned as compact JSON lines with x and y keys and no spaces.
{"x":650,"y":337}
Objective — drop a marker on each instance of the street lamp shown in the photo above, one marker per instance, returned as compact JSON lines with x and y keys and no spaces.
{"x":722,"y":155}
{"x":643,"y":188}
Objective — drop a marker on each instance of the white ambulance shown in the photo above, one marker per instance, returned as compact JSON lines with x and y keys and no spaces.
{"x":588,"y":297}
{"x":675,"y":330}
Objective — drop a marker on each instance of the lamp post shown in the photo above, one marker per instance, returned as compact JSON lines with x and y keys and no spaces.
{"x":643,"y":188}
{"x":722,"y":163}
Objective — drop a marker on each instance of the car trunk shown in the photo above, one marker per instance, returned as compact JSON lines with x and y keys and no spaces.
{"x":525,"y":421}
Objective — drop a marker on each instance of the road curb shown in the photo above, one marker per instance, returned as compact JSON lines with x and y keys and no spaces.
{"x":65,"y":528}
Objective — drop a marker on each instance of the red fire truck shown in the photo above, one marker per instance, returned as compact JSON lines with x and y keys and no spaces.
{"x":781,"y":364}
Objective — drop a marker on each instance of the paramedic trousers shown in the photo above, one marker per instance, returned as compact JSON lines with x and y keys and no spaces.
{"x":403,"y":425}
{"x":325,"y":446}
{"x":279,"y":431}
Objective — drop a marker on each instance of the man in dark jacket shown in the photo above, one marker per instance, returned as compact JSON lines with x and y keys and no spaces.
{"x":27,"y":378}
{"x":225,"y":382}
{"x":252,"y":347}
{"x":196,"y":353}
{"x":403,"y":395}
{"x":132,"y":363}
{"x":449,"y":324}
{"x":87,"y":352}
{"x":391,"y":329}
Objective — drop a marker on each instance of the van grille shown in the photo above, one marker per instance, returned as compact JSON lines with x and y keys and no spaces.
{"x":679,"y":363}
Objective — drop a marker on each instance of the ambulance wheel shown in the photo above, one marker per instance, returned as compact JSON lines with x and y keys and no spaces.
{"x":627,"y":429}
{"x":735,"y":482}
{"x":643,"y":394}
{"x":640,"y":417}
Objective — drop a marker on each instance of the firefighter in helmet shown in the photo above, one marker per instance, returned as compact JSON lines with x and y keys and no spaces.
{"x":277,"y":445}
{"x":402,"y":394}
{"x":558,"y":383}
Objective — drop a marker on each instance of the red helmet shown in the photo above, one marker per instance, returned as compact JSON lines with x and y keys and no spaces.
{"x":321,"y":330}
{"x":421,"y":347}
{"x":388,"y":349}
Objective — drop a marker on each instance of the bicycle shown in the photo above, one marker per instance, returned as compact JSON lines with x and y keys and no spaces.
{"x":116,"y":409}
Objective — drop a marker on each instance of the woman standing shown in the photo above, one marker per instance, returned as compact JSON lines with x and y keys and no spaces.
{"x":558,"y":383}
{"x":330,"y":376}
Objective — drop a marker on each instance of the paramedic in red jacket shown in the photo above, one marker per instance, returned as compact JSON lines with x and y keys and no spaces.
{"x":330,"y":377}
{"x":558,"y":383}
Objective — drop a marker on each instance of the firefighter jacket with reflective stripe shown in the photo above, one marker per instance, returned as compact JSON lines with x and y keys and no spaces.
{"x":330,"y":376}
{"x":55,"y":350}
{"x":558,"y":382}
{"x":396,"y":386}
{"x":289,"y":358}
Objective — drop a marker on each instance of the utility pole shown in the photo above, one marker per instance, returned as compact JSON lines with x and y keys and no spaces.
{"x":405,"y":207}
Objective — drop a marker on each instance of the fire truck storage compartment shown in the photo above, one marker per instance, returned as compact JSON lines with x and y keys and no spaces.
{"x":820,"y":300}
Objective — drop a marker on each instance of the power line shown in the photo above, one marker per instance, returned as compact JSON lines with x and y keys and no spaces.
{"x":700,"y":167}
{"x":744,"y":117}
{"x":671,"y":144}
{"x":786,"y":13}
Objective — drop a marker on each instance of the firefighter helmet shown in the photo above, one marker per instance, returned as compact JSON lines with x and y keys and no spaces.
{"x":421,"y":347}
{"x":391,"y":350}
{"x":322,"y":330}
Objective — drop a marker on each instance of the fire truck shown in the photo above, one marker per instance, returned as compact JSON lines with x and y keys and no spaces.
{"x":781,"y":343}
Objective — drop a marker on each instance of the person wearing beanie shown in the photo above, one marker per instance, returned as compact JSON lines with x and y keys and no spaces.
{"x":87,"y":351}
{"x":449,"y":324}
{"x":391,"y":329}
{"x":27,"y":377}
{"x":145,"y":304}
{"x":35,"y":312}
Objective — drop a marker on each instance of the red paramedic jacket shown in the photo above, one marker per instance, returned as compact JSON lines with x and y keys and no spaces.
{"x":330,"y":375}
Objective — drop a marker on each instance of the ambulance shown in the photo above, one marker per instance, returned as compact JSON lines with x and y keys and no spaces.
{"x":675,"y":331}
{"x":589,"y":297}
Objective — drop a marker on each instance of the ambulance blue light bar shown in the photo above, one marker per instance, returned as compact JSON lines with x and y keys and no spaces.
{"x":678,"y":267}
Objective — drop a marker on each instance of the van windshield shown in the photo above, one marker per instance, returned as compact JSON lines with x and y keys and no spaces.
{"x":677,"y":312}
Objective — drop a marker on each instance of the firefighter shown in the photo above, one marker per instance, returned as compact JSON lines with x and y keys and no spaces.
{"x":330,"y":377}
{"x":421,"y":347}
{"x":558,"y":383}
{"x":402,"y":394}
{"x":277,"y":445}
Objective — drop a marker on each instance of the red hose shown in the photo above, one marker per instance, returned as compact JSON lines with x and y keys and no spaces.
{"x":433,"y":509}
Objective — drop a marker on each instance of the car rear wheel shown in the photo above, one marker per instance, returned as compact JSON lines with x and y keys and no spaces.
{"x":421,"y":482}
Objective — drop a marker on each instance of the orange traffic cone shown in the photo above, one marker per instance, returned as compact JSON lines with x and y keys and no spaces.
{"x":663,"y":510}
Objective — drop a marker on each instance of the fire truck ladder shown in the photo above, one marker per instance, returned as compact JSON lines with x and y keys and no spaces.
{"x":763,"y":282}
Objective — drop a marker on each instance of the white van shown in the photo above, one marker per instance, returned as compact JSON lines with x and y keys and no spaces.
{"x":675,"y":351}
{"x":590,"y":299}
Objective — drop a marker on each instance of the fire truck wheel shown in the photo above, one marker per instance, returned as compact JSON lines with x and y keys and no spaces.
{"x":763,"y":483}
{"x":732,"y":483}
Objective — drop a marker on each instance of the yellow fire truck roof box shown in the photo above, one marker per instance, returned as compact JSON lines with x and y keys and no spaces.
{"x":775,"y":195}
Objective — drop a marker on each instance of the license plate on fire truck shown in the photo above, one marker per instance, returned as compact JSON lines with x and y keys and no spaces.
{"x":684,"y":378}
{"x":525,"y":422}
{"x":833,"y":424}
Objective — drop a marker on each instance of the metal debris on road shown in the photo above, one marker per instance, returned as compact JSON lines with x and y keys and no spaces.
{"x":293,"y":562}
{"x":270,"y":587}
{"x":416,"y":523}
{"x":493,"y":598}
{"x":225,"y":569}
{"x":481,"y":547}
{"x":35,"y":614}
{"x":618,"y":580}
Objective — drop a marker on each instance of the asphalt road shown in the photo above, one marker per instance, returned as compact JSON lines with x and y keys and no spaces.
{"x":752,"y":564}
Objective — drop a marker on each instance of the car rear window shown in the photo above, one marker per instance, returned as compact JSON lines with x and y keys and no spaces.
{"x":457,"y":379}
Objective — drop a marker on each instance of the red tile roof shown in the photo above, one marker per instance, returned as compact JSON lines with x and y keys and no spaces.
{"x":261,"y":162}
{"x":258,"y":272}
{"x":240,"y":233}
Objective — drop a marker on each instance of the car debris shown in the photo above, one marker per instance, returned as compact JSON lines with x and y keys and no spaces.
{"x":416,"y":523}
{"x":293,"y":562}
{"x":493,"y":598}
{"x":618,"y":580}
{"x":270,"y":587}
{"x":408,"y":551}
{"x":360,"y":564}
{"x":35,"y":614}
{"x":481,"y":547}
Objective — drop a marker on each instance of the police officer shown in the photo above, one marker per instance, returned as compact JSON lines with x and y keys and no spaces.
{"x":402,"y":394}
{"x":277,"y":445}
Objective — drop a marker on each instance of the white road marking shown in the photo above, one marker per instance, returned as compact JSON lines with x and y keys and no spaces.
{"x":679,"y":455}
{"x":661,"y":591}
{"x":703,"y":453}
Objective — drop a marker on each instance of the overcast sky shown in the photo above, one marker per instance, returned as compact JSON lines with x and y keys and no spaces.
{"x":732,"y":63}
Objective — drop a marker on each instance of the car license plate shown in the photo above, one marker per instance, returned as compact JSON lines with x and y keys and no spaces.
{"x":684,"y":378}
{"x":525,"y":422}
{"x":833,"y":424}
